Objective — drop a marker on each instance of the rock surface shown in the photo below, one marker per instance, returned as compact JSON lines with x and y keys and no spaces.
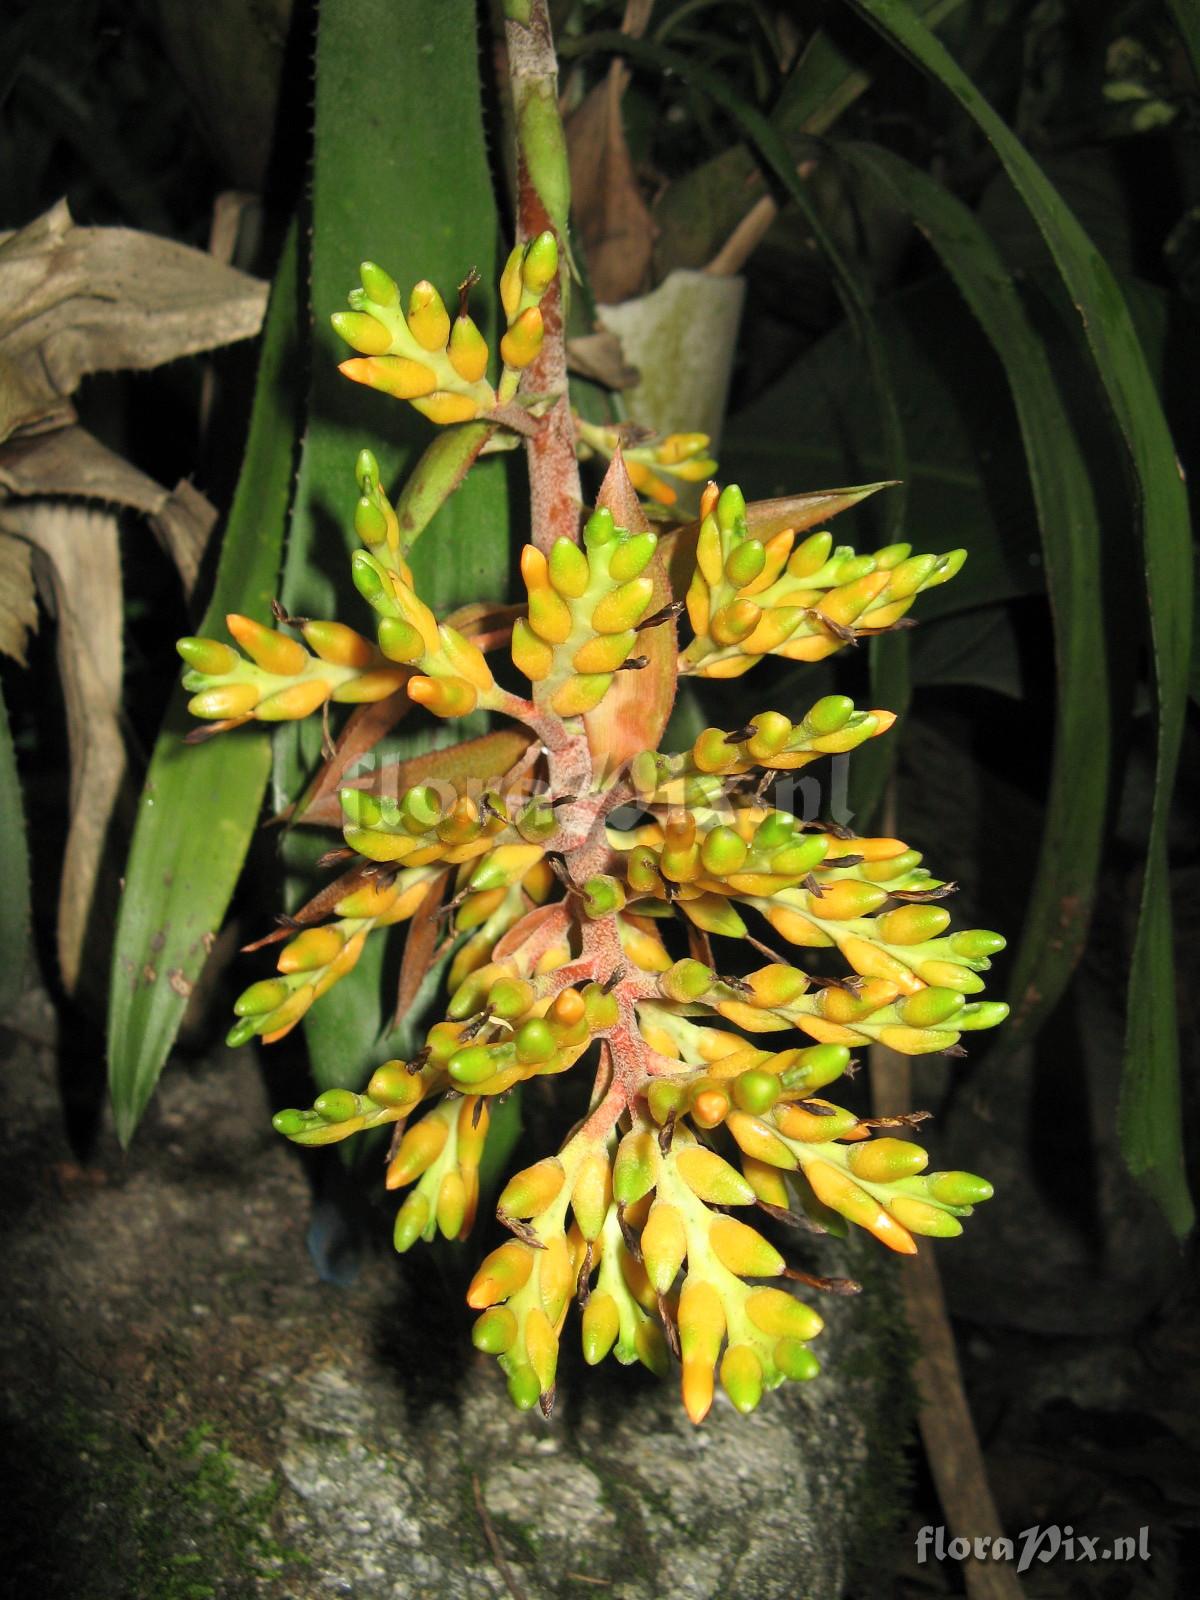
{"x":192,"y":1414}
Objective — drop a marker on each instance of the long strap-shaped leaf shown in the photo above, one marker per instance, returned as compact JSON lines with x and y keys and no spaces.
{"x":1064,"y":889}
{"x":400,"y":177}
{"x":199,"y":804}
{"x":1150,"y":1111}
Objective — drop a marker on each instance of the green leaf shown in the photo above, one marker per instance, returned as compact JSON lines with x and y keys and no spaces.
{"x":14,"y":903}
{"x":1064,"y":888}
{"x":773,"y":150}
{"x":1151,"y":1133}
{"x":967,"y":483}
{"x":199,"y":804}
{"x":400,"y":177}
{"x":1187,"y":20}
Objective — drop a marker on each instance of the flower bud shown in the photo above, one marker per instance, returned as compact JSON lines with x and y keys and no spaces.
{"x":528,"y":1193}
{"x":601,"y":1324}
{"x":780,"y":1316}
{"x":495,"y":1332}
{"x":419,"y":1149}
{"x":885,"y":1160}
{"x":711,"y":1179}
{"x":412,"y":1219}
{"x":540,"y":263}
{"x":743,"y":1250}
{"x":742,"y":1377}
{"x":959,"y":1188}
{"x":362,"y":332}
{"x":379,"y":286}
{"x":208,"y":656}
{"x":635,"y":1170}
{"x":701,"y":1329}
{"x":468,"y":350}
{"x":500,"y":1275}
{"x":664,"y":1245}
{"x":592,"y":1193}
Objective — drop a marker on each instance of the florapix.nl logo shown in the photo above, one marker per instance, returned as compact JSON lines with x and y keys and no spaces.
{"x":1045,"y":1544}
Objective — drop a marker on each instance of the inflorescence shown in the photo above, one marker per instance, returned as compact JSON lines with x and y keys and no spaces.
{"x":575,"y":878}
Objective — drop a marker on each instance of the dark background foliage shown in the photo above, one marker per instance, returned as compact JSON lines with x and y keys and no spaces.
{"x":1074,"y":1302}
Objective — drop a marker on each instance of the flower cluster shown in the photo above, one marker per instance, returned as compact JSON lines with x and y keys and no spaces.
{"x":606,"y":904}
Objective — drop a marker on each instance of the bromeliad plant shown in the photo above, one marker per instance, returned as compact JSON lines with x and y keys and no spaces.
{"x":600,"y":894}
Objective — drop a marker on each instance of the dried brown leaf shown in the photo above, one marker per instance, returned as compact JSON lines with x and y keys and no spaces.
{"x":184,"y":524}
{"x":72,"y":462}
{"x":79,"y":573}
{"x":18,"y":597}
{"x":600,"y":356}
{"x":420,"y":944}
{"x":613,"y":220}
{"x":79,"y":300}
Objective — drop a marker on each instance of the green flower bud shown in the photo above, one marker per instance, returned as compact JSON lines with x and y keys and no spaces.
{"x":336,"y":1105}
{"x":380,"y":287}
{"x":540,"y":265}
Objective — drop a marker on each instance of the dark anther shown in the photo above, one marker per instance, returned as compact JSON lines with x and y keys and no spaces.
{"x":670,"y":1326}
{"x":952,"y":1050}
{"x":583,"y":1287}
{"x":332,"y":857}
{"x":632,"y":1243}
{"x":613,"y":979}
{"x":905,"y":1119}
{"x":523,"y":1231}
{"x":825,"y":1285}
{"x":280,"y":613}
{"x":563,"y":800}
{"x":667,"y":1132}
{"x":634,"y":664}
{"x":282,"y":920}
{"x":790,"y":1219}
{"x":546,"y":1402}
{"x":852,"y":984}
{"x":740,"y":735}
{"x":477,"y":1111}
{"x":739,"y":984}
{"x":667,"y":614}
{"x":765,"y":949}
{"x":813,"y":887}
{"x":464,"y":290}
{"x":488,"y":805}
{"x":817,"y":1109}
{"x":418,"y":1061}
{"x":474,"y":1025}
{"x":918,"y":896}
{"x":839,"y":630}
{"x":838,"y":830}
{"x":560,"y":870}
{"x":845,"y":861}
{"x":452,"y":906}
{"x":765,"y":782}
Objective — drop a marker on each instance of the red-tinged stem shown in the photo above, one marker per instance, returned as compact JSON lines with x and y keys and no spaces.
{"x":555,"y":493}
{"x":600,"y":1122}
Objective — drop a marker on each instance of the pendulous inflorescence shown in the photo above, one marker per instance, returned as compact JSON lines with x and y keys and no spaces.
{"x":609,"y":906}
